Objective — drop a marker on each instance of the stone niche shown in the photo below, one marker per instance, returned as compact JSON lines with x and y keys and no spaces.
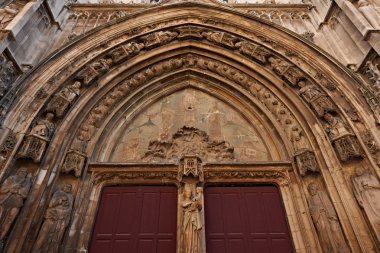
{"x":188,"y":120}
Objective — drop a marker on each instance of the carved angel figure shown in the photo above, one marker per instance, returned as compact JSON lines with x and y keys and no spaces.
{"x":326,"y":221}
{"x":192,"y":222}
{"x":12,"y":194}
{"x":57,"y":218}
{"x":367,"y":192}
{"x":7,"y":14}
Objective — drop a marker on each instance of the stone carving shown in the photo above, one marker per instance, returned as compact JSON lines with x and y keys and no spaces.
{"x":192,"y":220}
{"x":304,"y":157}
{"x":372,"y":92}
{"x":367,"y":192}
{"x":189,"y":141}
{"x":288,"y":71}
{"x":7,"y":14}
{"x":345,"y":143}
{"x":317,"y":100}
{"x":64,"y":99}
{"x":190,"y":166}
{"x":254,"y":51}
{"x":12,"y":194}
{"x":189,"y":32}
{"x":74,"y":161}
{"x":370,"y":12}
{"x":326,"y":221}
{"x":92,"y":71}
{"x":37,"y":140}
{"x":309,"y":35}
{"x":57,"y":217}
{"x":125,"y":52}
{"x":8,"y":75}
{"x":159,"y":38}
{"x":111,"y":176}
{"x":260,"y":175}
{"x":7,"y":147}
{"x":220,"y":38}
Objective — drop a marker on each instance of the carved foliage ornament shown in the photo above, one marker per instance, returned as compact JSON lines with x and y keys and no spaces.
{"x":97,"y":178}
{"x":189,"y":141}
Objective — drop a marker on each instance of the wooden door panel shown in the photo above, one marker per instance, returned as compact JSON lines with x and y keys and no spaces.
{"x":245,"y":220}
{"x":134,"y":219}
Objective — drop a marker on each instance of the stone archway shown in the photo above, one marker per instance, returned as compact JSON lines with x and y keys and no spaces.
{"x":70,"y":108}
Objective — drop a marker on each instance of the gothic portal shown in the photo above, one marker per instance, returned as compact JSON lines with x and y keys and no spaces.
{"x":189,"y":126}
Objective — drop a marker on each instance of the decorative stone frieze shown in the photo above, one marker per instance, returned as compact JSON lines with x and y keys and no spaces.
{"x":64,"y":99}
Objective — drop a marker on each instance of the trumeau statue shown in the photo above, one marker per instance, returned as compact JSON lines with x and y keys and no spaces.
{"x":57,"y":218}
{"x":326,"y":221}
{"x":12,"y":194}
{"x":367,"y":192}
{"x":192,"y":219}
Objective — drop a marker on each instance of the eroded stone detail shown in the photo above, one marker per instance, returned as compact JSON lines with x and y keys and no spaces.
{"x":6,"y":148}
{"x":37,"y":140}
{"x":326,"y":221}
{"x":7,"y":14}
{"x":146,"y":175}
{"x":74,"y":162}
{"x":125,"y":52}
{"x":246,"y":175}
{"x":64,"y":99}
{"x":159,"y":38}
{"x":286,"y":70}
{"x":189,"y":141}
{"x":253,"y":51}
{"x":8,"y":74}
{"x":57,"y":217}
{"x":345,"y":143}
{"x":13,"y":191}
{"x":91,"y":72}
{"x":372,"y":92}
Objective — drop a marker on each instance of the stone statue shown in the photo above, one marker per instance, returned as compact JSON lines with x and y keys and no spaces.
{"x":192,"y":221}
{"x":367,"y":192}
{"x":7,"y":14}
{"x":12,"y":194}
{"x":318,"y":101}
{"x":326,"y":221}
{"x":57,"y":218}
{"x":44,"y":127}
{"x":344,"y":142}
{"x":63,"y":99}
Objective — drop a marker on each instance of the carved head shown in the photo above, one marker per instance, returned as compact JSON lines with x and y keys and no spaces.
{"x":76,"y":85}
{"x":301,"y":84}
{"x":312,"y":188}
{"x":49,"y":116}
{"x":328,"y":117}
{"x":359,"y":171}
{"x":22,"y":172}
{"x":67,"y":188}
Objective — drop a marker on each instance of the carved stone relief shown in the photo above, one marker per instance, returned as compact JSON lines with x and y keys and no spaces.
{"x":367,"y":192}
{"x":372,"y":92}
{"x":92,"y":71}
{"x":74,"y":161}
{"x":326,"y":221}
{"x":344,"y":142}
{"x":36,"y":141}
{"x":57,"y":217}
{"x":64,"y":99}
{"x":8,"y":74}
{"x":6,"y":148}
{"x":189,"y":141}
{"x":13,"y":191}
{"x":7,"y":14}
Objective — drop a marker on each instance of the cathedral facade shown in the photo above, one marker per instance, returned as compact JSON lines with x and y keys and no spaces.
{"x":190,"y":126}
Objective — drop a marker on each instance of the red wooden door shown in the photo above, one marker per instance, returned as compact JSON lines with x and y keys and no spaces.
{"x":245,"y":220}
{"x":136,"y":219}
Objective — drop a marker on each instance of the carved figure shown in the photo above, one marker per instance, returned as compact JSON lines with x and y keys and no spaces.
{"x":345,"y":143}
{"x":192,"y":221}
{"x":370,"y":12}
{"x":57,"y":218}
{"x":126,"y":51}
{"x":318,"y":101}
{"x":36,"y":141}
{"x":367,"y":192}
{"x":159,"y":38}
{"x":220,"y":38}
{"x":12,"y":194}
{"x":74,"y":161}
{"x":7,"y":14}
{"x":61,"y":101}
{"x":288,"y":71}
{"x":92,"y":71}
{"x":326,"y":221}
{"x":252,"y":50}
{"x":8,"y":75}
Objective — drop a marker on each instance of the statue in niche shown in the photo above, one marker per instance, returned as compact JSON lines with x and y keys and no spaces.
{"x":57,"y":218}
{"x":61,"y":101}
{"x":7,"y":14}
{"x":318,"y":101}
{"x":192,"y":220}
{"x":36,"y":141}
{"x":345,"y":143}
{"x":367,"y":192}
{"x":326,"y":221}
{"x":12,"y":194}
